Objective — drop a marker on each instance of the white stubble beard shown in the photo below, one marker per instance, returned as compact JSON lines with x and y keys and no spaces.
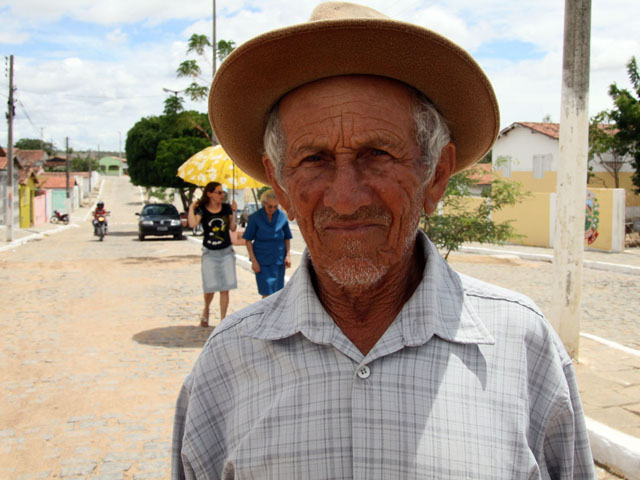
{"x":358,"y":268}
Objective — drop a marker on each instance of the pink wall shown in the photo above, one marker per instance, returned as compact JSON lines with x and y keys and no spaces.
{"x":39,"y":210}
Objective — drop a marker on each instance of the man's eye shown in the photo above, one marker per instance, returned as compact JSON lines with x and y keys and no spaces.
{"x":312,"y":158}
{"x":376,"y":152}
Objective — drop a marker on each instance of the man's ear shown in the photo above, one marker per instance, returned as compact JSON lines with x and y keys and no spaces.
{"x":281,"y":194}
{"x":435,"y":188}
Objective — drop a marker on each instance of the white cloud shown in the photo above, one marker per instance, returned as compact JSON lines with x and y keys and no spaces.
{"x":117,"y":36}
{"x":13,"y":37}
{"x":107,"y":13}
{"x":92,"y":86}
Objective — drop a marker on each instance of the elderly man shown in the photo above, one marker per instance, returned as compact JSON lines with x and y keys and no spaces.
{"x":376,"y":361}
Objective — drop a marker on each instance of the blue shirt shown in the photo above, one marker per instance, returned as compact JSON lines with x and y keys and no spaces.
{"x":268,"y":236}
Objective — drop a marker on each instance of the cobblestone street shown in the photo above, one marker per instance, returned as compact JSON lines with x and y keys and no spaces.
{"x":97,"y":338}
{"x":610,"y":301}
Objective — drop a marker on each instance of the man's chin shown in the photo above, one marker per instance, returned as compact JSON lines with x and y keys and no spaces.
{"x":356,"y":273}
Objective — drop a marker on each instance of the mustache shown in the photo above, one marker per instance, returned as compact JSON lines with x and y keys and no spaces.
{"x":325,"y":216}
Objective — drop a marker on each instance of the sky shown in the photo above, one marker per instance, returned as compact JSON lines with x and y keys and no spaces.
{"x":89,"y":70}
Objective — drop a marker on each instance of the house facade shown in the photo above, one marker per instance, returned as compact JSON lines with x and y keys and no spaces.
{"x":528,"y":152}
{"x":56,"y":182}
{"x":111,"y":166}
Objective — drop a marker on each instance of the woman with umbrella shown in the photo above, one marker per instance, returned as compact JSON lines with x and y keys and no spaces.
{"x":268,"y":241}
{"x":218,"y":259}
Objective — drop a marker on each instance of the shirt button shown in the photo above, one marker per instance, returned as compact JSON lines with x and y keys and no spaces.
{"x":364,"y":372}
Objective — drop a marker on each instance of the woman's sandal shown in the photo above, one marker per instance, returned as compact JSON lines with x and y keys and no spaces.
{"x":204,"y":322}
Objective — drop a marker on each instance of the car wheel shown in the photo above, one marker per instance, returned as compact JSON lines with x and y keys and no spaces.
{"x":177,"y":236}
{"x":141,"y":237}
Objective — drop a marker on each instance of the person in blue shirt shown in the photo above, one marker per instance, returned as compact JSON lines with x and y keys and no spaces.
{"x":268,"y":242}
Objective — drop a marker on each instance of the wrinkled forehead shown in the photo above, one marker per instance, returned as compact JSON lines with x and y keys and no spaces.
{"x":374,"y":90}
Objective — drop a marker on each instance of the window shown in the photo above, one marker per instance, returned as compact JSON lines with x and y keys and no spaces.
{"x":541,"y":163}
{"x":504,"y":165}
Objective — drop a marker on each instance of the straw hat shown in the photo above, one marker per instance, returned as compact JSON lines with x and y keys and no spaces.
{"x":347,"y":39}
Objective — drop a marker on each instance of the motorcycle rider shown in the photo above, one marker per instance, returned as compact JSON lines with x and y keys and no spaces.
{"x":99,"y":211}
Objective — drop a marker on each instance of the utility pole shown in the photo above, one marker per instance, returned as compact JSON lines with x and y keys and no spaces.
{"x":11,"y":112}
{"x":572,"y":174}
{"x":90,"y":158}
{"x":213,"y":37}
{"x":68,"y":182}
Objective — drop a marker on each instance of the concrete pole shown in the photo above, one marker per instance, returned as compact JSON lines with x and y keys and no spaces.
{"x":9,"y":200}
{"x":572,"y":175}
{"x":213,"y":37}
{"x":68,"y":174}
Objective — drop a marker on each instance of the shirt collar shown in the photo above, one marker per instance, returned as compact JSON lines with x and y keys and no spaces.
{"x":438,"y":307}
{"x":274,"y":217}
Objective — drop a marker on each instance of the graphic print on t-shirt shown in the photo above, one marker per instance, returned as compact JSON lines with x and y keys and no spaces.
{"x":217,"y":227}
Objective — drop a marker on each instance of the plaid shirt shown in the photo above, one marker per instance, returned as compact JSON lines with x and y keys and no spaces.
{"x":468,"y":382}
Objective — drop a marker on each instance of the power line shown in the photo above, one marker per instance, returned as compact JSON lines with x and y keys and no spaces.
{"x":94,"y":97}
{"x":24,"y":110}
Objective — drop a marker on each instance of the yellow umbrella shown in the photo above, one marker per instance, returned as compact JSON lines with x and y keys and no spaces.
{"x":214,"y":165}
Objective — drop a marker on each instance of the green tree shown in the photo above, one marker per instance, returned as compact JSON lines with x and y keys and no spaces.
{"x":173,"y":105}
{"x":156,"y":146}
{"x":459,"y":222}
{"x":606,"y":148}
{"x":625,"y":115}
{"x":35,"y":144}
{"x":81,"y":164}
{"x":141,"y":145}
{"x":172,"y":153}
{"x":199,"y":45}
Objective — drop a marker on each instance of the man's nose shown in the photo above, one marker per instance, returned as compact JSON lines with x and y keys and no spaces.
{"x":347,"y":191}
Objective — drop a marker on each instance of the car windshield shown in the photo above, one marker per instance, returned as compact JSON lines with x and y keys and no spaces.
{"x":159,"y":210}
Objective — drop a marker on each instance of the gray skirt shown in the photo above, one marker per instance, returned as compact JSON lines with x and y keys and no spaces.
{"x":218,"y":270}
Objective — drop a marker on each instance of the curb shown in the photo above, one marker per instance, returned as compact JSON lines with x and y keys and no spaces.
{"x":611,"y":447}
{"x":615,"y":449}
{"x":36,"y":236}
{"x":543,"y":257}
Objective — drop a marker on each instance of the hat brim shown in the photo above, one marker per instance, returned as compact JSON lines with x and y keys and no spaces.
{"x":259,"y":72}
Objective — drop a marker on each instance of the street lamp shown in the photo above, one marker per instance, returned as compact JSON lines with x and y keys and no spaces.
{"x":175,"y":92}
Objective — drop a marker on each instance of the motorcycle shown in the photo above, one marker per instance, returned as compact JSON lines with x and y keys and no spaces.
{"x":100,"y":225}
{"x":59,"y":217}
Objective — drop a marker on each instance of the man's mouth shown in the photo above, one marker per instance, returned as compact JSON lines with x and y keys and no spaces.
{"x":363,"y":220}
{"x":351,"y":229}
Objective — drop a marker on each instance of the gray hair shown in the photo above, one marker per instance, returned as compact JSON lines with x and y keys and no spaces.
{"x":431,"y":131}
{"x":267,"y":195}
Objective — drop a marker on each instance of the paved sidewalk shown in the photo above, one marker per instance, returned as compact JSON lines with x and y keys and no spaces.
{"x":608,"y":373}
{"x":22,"y":235}
{"x":627,"y":261}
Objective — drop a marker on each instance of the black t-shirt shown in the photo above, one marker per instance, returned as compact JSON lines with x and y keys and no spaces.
{"x":216,"y":227}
